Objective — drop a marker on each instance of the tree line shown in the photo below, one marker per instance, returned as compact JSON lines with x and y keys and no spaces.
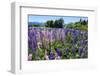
{"x":59,"y":23}
{"x":55,"y":24}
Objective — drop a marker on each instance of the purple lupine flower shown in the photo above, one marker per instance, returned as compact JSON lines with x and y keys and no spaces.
{"x":33,"y":40}
{"x":30,"y":39}
{"x":74,"y":35}
{"x":80,"y":50}
{"x":63,"y":35}
{"x":73,"y":51}
{"x":85,"y":42}
{"x":49,"y":34}
{"x":66,"y":31}
{"x":52,"y":35}
{"x":29,"y":43}
{"x":58,"y":52}
{"x":67,"y":51}
{"x":41,"y":35}
{"x":81,"y":43}
{"x":51,"y":56}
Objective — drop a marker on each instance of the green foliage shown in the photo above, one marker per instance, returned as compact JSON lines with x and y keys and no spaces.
{"x":34,"y":25}
{"x":33,"y":56}
{"x":59,"y":23}
{"x":49,"y":23}
{"x":70,"y":25}
{"x":41,"y":53}
{"x":55,"y":24}
{"x":68,"y":38}
{"x":29,"y":50}
{"x":81,"y":25}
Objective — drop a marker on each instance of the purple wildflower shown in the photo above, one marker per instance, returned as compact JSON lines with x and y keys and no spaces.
{"x":51,"y":56}
{"x":58,"y":52}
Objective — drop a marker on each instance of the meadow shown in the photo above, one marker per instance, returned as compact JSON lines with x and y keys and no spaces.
{"x":55,"y":40}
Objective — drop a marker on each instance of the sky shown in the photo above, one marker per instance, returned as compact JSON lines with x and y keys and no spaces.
{"x":67,"y":19}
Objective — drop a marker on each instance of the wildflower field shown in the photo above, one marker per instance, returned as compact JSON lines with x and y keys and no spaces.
{"x":54,"y":40}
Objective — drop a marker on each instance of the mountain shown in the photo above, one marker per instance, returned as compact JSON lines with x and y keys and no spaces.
{"x":36,"y":23}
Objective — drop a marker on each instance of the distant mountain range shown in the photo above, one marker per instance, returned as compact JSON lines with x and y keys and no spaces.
{"x":35,"y":23}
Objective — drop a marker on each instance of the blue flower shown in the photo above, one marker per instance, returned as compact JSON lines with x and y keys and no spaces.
{"x":85,"y":42}
{"x":80,"y":50}
{"x":41,"y":35}
{"x":58,"y":52}
{"x":81,"y":43}
{"x":51,"y":56}
{"x":73,"y":51}
{"x":29,"y":43}
{"x":67,"y":51}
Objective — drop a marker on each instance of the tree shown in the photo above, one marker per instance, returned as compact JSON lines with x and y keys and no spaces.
{"x":50,"y":23}
{"x":56,"y":24}
{"x":59,"y":23}
{"x":70,"y":25}
{"x":35,"y":25}
{"x":47,"y":24}
{"x":83,"y":22}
